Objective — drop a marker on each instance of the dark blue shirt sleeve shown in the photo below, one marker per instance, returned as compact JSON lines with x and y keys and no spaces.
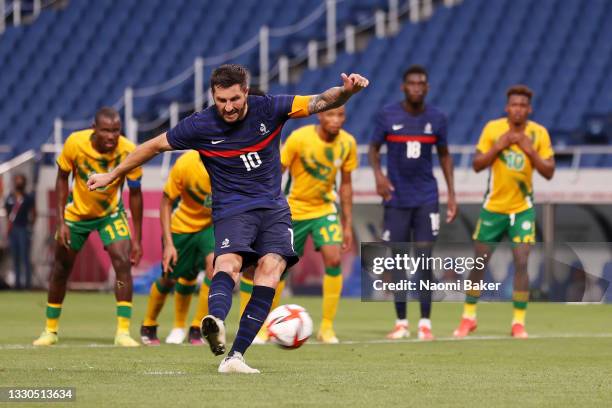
{"x":380,"y":129}
{"x":184,"y":135}
{"x":442,"y":139}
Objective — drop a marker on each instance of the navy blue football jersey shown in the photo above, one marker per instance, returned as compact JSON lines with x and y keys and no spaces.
{"x":242,"y":158}
{"x":410,"y":140}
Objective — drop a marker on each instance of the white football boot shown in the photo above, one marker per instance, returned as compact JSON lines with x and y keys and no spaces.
{"x":236,"y":364}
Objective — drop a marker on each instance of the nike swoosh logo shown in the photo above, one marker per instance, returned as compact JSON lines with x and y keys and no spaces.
{"x":217,"y":141}
{"x":397,"y":127}
{"x":253,"y":318}
{"x":217,"y":294}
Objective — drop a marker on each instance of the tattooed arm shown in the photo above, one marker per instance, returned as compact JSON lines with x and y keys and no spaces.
{"x":338,"y":95}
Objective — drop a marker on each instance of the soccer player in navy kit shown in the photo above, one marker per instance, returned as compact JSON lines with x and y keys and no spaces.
{"x":238,"y":140}
{"x":410,"y":193}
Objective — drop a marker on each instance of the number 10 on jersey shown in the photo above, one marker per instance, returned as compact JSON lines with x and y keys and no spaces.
{"x":251,"y":160}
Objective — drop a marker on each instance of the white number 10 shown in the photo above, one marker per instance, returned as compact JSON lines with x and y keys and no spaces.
{"x":251,"y":160}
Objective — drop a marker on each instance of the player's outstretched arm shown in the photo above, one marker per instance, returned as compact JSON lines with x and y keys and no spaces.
{"x":338,"y":95}
{"x":142,"y":154}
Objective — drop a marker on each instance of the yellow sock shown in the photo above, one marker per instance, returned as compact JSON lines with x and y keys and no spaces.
{"x":469,"y":307}
{"x":518,"y":316}
{"x":246,"y":288}
{"x":469,"y":310}
{"x":278,"y":295}
{"x":183,"y":290}
{"x":157,"y":298}
{"x":53,"y":313}
{"x":332,"y":288}
{"x":519,"y":301}
{"x":124,"y":314}
{"x":202,"y":304}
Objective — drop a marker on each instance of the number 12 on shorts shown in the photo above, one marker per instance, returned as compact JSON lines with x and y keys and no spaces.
{"x":333,"y":232}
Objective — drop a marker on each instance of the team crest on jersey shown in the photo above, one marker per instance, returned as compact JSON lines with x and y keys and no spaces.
{"x":428,"y":130}
{"x":263,"y":129}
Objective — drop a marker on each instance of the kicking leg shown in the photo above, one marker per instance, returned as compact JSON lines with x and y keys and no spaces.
{"x":225,"y":275}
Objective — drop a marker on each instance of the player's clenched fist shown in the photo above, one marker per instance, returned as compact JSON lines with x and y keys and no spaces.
{"x":99,"y":180}
{"x":354,"y":83}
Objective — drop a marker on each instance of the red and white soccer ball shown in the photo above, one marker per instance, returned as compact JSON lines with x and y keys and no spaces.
{"x":289,"y":326}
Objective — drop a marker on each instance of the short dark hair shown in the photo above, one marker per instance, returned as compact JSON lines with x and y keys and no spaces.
{"x":519,"y":89}
{"x":415,"y":69}
{"x":228,"y":75}
{"x":106,"y":112}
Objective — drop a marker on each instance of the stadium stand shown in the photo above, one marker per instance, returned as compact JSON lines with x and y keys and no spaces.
{"x":474,"y":51}
{"x":71,"y":79}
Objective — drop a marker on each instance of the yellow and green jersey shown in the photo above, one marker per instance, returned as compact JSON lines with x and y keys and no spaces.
{"x":189,"y":182}
{"x":510,"y":188}
{"x":81,"y":159}
{"x":313,"y":165}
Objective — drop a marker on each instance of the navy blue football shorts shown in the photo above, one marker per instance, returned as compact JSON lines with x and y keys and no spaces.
{"x":255,"y":233}
{"x":416,"y":224}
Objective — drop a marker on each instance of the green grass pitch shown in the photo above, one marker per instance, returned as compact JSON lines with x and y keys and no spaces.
{"x":566,"y":362}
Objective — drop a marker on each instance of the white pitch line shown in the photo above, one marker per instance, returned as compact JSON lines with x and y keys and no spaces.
{"x":347,"y":342}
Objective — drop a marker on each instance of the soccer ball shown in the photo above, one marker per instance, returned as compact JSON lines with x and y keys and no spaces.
{"x":289,"y":326}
